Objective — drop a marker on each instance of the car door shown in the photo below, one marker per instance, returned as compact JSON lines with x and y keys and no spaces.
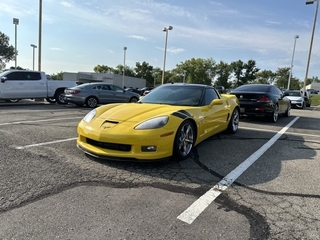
{"x":13,"y":85}
{"x":118,"y":94}
{"x":36,"y":84}
{"x":283,"y":103}
{"x":104,"y":94}
{"x":215,"y":115}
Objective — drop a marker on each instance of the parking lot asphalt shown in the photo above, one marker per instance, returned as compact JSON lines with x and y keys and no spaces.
{"x":51,"y":190}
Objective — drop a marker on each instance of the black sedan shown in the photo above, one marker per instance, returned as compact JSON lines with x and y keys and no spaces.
{"x":262,"y":100}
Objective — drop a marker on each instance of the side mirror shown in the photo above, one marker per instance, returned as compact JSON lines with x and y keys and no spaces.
{"x":215,"y":102}
{"x":3,"y":79}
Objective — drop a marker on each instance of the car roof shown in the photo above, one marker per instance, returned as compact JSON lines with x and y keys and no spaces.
{"x":187,"y":85}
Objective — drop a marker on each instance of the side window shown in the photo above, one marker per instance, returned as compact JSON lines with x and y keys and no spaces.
{"x":15,"y":76}
{"x":116,"y":89}
{"x":33,"y":76}
{"x":210,"y":95}
{"x":105,"y":87}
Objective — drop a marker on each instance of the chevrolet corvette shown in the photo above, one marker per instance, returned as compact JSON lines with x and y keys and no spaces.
{"x":166,"y":123}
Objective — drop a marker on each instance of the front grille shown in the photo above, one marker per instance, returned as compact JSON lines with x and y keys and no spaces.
{"x":111,"y":146}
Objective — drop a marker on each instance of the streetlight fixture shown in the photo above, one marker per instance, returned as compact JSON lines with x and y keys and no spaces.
{"x":33,"y":46}
{"x":15,"y":22}
{"x":124,"y":64}
{"x":311,"y":41}
{"x":165,"y":29}
{"x":294,"y":47}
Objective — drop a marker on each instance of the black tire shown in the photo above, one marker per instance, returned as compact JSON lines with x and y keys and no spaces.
{"x":184,"y":140}
{"x":287,"y":113}
{"x":275,"y":114}
{"x":59,"y":96}
{"x":50,"y":100}
{"x":92,"y":102}
{"x":234,"y":121}
{"x":134,"y":99}
{"x":12,"y":100}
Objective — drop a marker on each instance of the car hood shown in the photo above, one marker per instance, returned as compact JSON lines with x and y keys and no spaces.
{"x":137,"y":112}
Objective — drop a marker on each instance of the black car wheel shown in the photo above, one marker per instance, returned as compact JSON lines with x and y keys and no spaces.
{"x":92,"y":102}
{"x":234,"y":121}
{"x":59,"y":96}
{"x":134,"y":99}
{"x":275,"y":114}
{"x":184,"y":140}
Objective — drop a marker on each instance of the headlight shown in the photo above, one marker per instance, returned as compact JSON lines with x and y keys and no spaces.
{"x":87,"y":118}
{"x":300,"y":100}
{"x":153,"y":123}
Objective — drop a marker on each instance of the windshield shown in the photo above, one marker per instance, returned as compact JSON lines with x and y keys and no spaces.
{"x":3,"y":73}
{"x":174,"y":95}
{"x":289,"y":93}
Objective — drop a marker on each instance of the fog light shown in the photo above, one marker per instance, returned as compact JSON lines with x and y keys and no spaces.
{"x":148,"y":148}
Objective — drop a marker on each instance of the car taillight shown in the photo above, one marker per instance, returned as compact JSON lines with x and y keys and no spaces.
{"x":74,"y":91}
{"x":264,"y":99}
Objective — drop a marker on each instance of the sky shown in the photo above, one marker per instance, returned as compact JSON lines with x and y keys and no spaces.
{"x":81,"y":34}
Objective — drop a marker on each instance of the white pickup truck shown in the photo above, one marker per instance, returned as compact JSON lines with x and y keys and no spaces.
{"x":23,"y":84}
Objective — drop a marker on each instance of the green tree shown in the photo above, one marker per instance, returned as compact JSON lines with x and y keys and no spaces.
{"x":238,"y":69}
{"x":145,"y":71}
{"x":223,"y":72}
{"x":119,"y":70}
{"x":57,"y":76}
{"x":282,"y":77}
{"x":6,"y":51}
{"x":250,"y":70}
{"x":244,"y":73}
{"x":196,"y":70}
{"x":265,"y":77}
{"x":103,"y":69}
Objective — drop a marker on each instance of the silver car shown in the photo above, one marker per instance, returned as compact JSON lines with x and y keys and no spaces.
{"x":92,"y":94}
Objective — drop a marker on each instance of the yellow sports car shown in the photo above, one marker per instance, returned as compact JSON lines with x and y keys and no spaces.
{"x":168,"y":122}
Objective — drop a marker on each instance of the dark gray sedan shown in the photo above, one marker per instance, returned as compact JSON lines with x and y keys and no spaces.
{"x":92,"y":94}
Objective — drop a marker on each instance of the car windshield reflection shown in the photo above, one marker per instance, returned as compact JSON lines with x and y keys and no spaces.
{"x":187,"y":96}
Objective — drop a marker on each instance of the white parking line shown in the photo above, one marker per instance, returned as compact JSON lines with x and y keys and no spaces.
{"x":192,"y":212}
{"x":45,"y":143}
{"x":35,"y":121}
{"x":292,"y":133}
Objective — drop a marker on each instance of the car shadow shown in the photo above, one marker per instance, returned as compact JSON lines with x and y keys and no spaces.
{"x":216,"y":157}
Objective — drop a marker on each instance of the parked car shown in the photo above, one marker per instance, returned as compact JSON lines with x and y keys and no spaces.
{"x":296,"y":98}
{"x":133,"y":90}
{"x":26,"y":84}
{"x":169,"y":121}
{"x":262,"y":100}
{"x":145,"y":90}
{"x":313,"y":91}
{"x":92,"y":94}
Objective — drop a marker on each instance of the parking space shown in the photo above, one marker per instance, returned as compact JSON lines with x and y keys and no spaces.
{"x":273,"y":198}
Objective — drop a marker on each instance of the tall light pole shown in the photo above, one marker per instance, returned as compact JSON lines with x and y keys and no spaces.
{"x":311,"y":41}
{"x":33,"y":46}
{"x":154,"y":78}
{"x":166,"y":29}
{"x":40,"y":35}
{"x":15,"y":22}
{"x":124,"y":64}
{"x":294,"y":47}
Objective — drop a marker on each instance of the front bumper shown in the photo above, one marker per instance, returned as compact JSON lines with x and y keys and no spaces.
{"x":127,"y":144}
